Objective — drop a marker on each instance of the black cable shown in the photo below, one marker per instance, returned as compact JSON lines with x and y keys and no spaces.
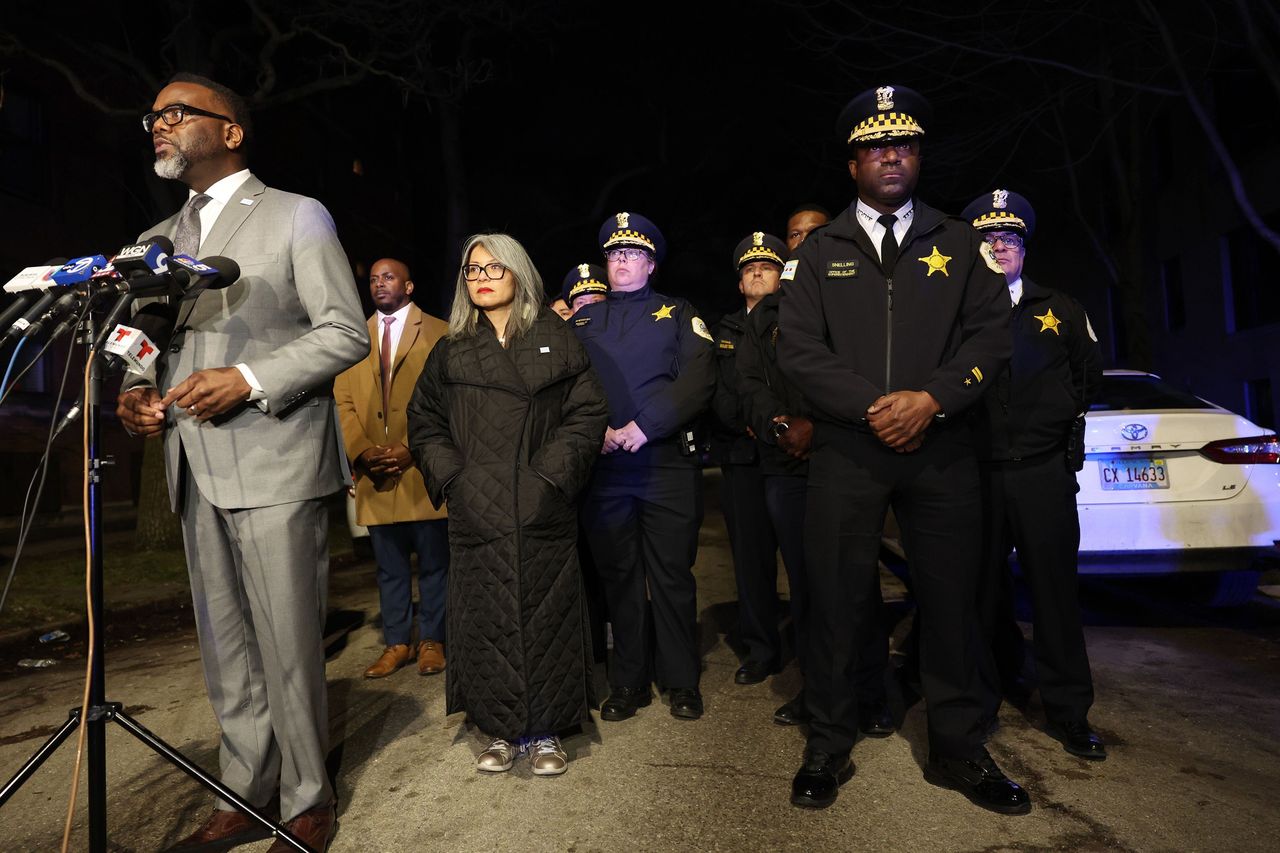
{"x":42,"y":467}
{"x":14,"y":384}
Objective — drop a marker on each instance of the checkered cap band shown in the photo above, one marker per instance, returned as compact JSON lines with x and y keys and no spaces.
{"x":629,"y":237}
{"x":884,"y":126}
{"x":760,"y":253}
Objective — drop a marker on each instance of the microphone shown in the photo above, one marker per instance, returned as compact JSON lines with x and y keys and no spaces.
{"x":146,"y":258}
{"x":67,"y":277}
{"x":28,"y":284}
{"x":184,"y":277}
{"x":136,"y":346}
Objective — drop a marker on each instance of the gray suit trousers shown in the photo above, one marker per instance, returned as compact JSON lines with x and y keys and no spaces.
{"x":259,"y":582}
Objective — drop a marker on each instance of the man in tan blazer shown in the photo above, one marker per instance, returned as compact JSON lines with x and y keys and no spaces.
{"x":391,"y":499}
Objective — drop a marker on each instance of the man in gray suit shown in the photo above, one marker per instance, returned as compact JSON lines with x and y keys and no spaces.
{"x":244,"y":403}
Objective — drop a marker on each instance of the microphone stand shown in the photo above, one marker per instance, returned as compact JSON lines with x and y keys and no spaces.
{"x":100,"y":710}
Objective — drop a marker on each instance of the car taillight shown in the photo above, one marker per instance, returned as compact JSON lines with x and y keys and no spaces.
{"x":1257,"y":450}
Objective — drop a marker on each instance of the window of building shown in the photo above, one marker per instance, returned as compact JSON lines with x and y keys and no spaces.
{"x":1259,"y":406}
{"x":1249,"y":271}
{"x":1175,"y":306}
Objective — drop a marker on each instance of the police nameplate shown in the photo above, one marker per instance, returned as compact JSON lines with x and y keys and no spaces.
{"x":842,"y":269}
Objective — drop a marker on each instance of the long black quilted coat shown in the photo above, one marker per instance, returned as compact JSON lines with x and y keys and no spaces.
{"x":508,"y":437}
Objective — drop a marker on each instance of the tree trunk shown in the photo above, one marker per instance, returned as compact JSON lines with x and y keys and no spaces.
{"x":158,"y":527}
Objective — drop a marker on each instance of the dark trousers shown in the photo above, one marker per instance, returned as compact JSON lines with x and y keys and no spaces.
{"x":1031,"y":506}
{"x":785,"y":495}
{"x":853,"y":480}
{"x":755,"y":561}
{"x":392,"y":546}
{"x":643,"y":524}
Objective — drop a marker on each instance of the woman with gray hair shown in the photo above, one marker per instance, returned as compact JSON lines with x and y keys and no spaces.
{"x":505,"y":422}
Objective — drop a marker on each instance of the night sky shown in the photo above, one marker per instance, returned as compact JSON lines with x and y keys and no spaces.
{"x":712,"y":119}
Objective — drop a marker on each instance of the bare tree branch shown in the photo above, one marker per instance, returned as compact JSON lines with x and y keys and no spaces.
{"x":11,"y":46}
{"x":1234,"y":179}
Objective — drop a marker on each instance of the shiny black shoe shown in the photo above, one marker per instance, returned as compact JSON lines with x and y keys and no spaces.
{"x":981,"y":781}
{"x":875,"y":720}
{"x":817,"y":783}
{"x":753,"y":672}
{"x":794,"y":713}
{"x":686,"y":703}
{"x":624,"y":701}
{"x":1079,"y":739}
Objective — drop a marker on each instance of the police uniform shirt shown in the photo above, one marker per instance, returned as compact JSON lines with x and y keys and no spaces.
{"x":654,"y":357}
{"x":869,"y":219}
{"x":1056,"y":369}
{"x":937,"y":322}
{"x":1015,"y":290}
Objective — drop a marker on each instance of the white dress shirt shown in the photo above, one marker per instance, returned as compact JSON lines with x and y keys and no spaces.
{"x":397,"y":328}
{"x":1015,"y":290}
{"x":219,"y":193}
{"x":869,"y":219}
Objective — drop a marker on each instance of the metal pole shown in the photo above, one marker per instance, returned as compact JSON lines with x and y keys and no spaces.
{"x":97,"y":722}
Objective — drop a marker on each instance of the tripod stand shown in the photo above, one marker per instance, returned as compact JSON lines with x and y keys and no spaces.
{"x":100,"y":710}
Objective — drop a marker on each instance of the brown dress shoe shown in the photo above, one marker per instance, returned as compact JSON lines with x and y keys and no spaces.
{"x":314,"y":828}
{"x":392,"y":659}
{"x":222,"y":831}
{"x":430,"y":657}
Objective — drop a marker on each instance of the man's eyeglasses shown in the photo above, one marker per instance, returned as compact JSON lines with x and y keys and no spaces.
{"x":616,"y":255}
{"x":174,"y":115}
{"x":493,"y":271}
{"x":1012,"y":241}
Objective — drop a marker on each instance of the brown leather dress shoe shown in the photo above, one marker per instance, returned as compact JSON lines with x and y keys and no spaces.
{"x":430,"y":657}
{"x":314,"y":828}
{"x":392,"y":659}
{"x":222,"y":831}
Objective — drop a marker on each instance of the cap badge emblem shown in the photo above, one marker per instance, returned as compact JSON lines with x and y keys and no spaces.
{"x":1000,"y":199}
{"x":623,"y":219}
{"x":584,"y":271}
{"x":757,"y":238}
{"x":884,"y":98}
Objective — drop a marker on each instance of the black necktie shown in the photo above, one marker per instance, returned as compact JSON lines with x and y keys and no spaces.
{"x":888,"y":243}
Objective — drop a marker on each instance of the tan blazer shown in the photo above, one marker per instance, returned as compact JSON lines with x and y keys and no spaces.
{"x":358,"y":394}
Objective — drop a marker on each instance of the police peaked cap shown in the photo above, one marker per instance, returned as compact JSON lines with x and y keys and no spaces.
{"x":1002,"y":210}
{"x":631,"y":229}
{"x":584,"y":278}
{"x":882,"y":113}
{"x":759,"y":246}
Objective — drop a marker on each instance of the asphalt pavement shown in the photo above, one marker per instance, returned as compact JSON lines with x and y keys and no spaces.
{"x":1188,"y":701}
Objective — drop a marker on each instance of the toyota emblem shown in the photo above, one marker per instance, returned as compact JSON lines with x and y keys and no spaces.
{"x":1134,"y":432}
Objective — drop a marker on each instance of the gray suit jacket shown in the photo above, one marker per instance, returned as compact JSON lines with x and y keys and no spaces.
{"x":295,"y":319}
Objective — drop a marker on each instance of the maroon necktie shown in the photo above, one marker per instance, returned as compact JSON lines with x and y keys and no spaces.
{"x":385,"y":352}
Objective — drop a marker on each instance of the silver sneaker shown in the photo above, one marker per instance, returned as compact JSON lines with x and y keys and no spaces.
{"x":497,"y":758}
{"x":548,"y":757}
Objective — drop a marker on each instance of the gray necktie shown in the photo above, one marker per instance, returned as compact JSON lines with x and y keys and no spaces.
{"x":186,"y":241}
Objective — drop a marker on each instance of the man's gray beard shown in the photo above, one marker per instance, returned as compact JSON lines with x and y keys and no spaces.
{"x":173,"y":166}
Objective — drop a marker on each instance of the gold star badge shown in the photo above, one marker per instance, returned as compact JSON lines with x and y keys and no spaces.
{"x":936,"y":262}
{"x":664,"y":313}
{"x":1048,"y":322}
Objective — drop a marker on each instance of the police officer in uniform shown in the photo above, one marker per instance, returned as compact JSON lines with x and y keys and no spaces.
{"x":781,"y":421}
{"x":758,"y":260}
{"x":894,"y":317}
{"x":584,"y":284}
{"x":644,"y":504}
{"x":1029,"y":486}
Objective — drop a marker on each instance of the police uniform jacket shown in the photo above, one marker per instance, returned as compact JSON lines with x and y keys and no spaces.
{"x":764,"y":391}
{"x":730,"y":443}
{"x":852,"y":331}
{"x":653,"y":355}
{"x":1056,"y":370}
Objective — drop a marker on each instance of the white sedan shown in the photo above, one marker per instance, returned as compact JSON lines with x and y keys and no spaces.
{"x":1174,"y":483}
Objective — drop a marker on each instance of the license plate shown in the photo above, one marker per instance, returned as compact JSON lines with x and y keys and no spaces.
{"x":1121,"y":473}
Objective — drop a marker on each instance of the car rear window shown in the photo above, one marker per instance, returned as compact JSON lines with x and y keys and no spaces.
{"x":1143,"y":392}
